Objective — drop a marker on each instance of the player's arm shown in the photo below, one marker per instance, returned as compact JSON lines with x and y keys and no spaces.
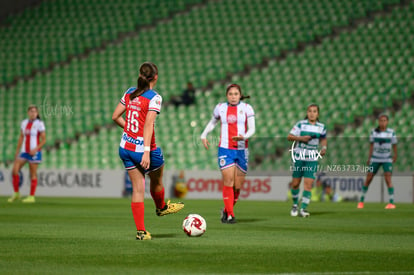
{"x":19,"y":145}
{"x":42,"y":142}
{"x":292,"y":137}
{"x":148,"y":131}
{"x":251,"y":129}
{"x":294,"y":134}
{"x":371,"y":149}
{"x":394,"y":156}
{"x":324,"y":145}
{"x":117,"y":115}
{"x":210,"y":127}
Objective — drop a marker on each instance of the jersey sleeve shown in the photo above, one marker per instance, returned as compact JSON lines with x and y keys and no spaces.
{"x":249,"y":111}
{"x":155,"y":104}
{"x":216,"y":112}
{"x":371,"y":137}
{"x":22,"y":127}
{"x":394,"y":138}
{"x":123,"y":100}
{"x":295,"y":130}
{"x":323,"y":133}
{"x":127,"y":92}
{"x":42,"y":127}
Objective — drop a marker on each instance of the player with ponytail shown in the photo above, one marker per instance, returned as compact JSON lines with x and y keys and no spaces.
{"x":307,"y":134}
{"x":237,"y":126}
{"x":382,"y":152}
{"x":138,"y":149}
{"x":31,"y":140}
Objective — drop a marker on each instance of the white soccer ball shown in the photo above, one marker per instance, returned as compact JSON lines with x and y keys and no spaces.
{"x":194,"y":225}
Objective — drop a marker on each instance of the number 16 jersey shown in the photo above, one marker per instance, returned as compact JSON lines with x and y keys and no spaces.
{"x":136,"y":113}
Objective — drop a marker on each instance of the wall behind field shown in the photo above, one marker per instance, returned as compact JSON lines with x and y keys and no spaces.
{"x":199,"y":185}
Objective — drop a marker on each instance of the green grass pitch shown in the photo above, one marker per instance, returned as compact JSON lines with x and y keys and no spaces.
{"x":97,"y":236}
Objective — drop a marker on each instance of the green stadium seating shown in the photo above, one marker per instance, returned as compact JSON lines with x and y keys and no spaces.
{"x":55,"y":30}
{"x":205,"y":45}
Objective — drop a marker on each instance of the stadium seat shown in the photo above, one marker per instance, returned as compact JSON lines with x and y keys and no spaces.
{"x":198,"y":46}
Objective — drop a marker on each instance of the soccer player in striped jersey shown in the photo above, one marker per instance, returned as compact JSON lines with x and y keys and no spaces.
{"x":237,"y":126}
{"x":307,"y":135}
{"x":31,"y":140}
{"x":138,"y":149}
{"x":382,"y":152}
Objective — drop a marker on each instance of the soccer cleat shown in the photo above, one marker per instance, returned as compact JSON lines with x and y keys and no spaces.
{"x":230,"y":219}
{"x":303,"y":213}
{"x":360,"y":205}
{"x":294,"y":211}
{"x":223,"y":217}
{"x":143,"y":235}
{"x":14,"y":197}
{"x":390,"y":206}
{"x":170,"y":208}
{"x":29,"y":199}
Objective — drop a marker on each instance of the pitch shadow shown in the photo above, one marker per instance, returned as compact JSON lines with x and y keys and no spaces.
{"x":164,"y":236}
{"x":313,"y":213}
{"x":249,"y":220}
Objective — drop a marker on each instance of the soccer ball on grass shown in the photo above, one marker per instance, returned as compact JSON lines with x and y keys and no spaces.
{"x":194,"y":225}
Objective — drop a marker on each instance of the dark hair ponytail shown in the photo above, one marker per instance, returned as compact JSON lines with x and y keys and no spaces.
{"x":147,"y":73}
{"x":313,"y":105}
{"x":238,"y":88}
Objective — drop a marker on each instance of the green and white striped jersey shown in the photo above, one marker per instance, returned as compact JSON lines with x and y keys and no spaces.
{"x":307,"y":151}
{"x":383,"y":141}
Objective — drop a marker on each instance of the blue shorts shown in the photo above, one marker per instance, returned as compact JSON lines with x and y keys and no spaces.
{"x":230,"y":157}
{"x":133,"y":159}
{"x":37,"y":158}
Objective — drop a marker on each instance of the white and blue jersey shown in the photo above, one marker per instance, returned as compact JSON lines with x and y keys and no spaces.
{"x":131,"y":147}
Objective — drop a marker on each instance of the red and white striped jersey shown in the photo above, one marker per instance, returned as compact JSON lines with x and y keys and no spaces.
{"x":136,"y":113}
{"x":233,"y":121}
{"x":31,"y":130}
